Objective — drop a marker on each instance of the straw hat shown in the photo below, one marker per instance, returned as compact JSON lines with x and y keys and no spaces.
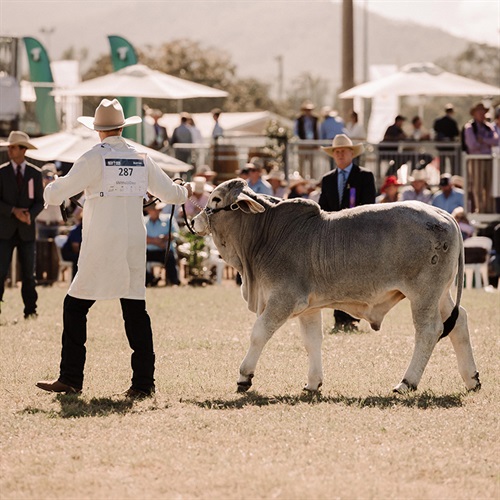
{"x":276,"y":175}
{"x":206,"y":171}
{"x":458,"y":181}
{"x":17,"y":138}
{"x":199,"y":184}
{"x":418,"y":175}
{"x":296,"y":180}
{"x":342,"y":141}
{"x":108,"y":116}
{"x":307,"y":106}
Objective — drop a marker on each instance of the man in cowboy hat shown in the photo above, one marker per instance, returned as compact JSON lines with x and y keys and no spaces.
{"x":21,"y":200}
{"x":255,"y":180}
{"x":346,"y":186}
{"x":112,"y":261}
{"x":418,"y":189}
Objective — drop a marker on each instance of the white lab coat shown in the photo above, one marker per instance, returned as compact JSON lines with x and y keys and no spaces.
{"x":112,"y":261}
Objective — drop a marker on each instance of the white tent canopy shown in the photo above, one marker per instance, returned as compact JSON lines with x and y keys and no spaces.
{"x":421,"y":79}
{"x":234,"y":124}
{"x":69,"y":146}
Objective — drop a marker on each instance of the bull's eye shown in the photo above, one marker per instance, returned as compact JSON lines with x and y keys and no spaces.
{"x":216,"y":199}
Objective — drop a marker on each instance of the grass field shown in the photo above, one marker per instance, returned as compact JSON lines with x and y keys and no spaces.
{"x":198,"y":438}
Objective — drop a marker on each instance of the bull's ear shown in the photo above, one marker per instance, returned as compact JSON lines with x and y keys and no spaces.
{"x":249,"y":205}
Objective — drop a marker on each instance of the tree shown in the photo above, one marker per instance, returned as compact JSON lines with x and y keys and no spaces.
{"x":187,"y":59}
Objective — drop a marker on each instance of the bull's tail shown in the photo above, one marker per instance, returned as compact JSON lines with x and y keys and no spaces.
{"x":449,"y":324}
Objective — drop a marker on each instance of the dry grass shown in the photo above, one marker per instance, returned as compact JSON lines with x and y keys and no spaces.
{"x":198,"y":438}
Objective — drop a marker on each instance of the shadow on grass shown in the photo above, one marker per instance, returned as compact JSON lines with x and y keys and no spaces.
{"x":72,"y":406}
{"x":425,"y":400}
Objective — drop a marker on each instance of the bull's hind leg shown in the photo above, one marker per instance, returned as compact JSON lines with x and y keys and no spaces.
{"x":267,"y":323}
{"x":428,"y":328}
{"x":312,"y":335}
{"x":460,"y":340}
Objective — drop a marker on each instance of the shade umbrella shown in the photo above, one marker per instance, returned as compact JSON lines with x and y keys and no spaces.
{"x":421,"y":79}
{"x":140,"y":81}
{"x":70,"y":145}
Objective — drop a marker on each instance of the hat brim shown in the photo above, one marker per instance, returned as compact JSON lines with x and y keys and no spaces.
{"x":88,"y":121}
{"x":27,"y":145}
{"x":357,"y":149}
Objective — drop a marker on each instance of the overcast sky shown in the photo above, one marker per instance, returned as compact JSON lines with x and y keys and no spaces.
{"x":477,"y":20}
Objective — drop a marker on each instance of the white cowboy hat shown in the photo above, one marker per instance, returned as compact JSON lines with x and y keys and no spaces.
{"x":418,"y":175}
{"x":108,"y":116}
{"x":295,"y":179}
{"x":276,"y":174}
{"x":342,"y":141}
{"x":17,"y":138}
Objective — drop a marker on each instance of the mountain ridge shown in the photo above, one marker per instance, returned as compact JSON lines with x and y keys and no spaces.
{"x":306,"y":35}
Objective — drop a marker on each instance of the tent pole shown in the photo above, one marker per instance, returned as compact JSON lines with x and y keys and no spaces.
{"x":139,"y":112}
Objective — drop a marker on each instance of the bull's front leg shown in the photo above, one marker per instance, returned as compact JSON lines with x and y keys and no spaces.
{"x":312,"y":336}
{"x":263,"y":329}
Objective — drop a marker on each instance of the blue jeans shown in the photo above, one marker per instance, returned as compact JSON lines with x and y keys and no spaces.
{"x":26,"y":257}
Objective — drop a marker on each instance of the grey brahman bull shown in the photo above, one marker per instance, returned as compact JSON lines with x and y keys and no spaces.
{"x":296,"y":259}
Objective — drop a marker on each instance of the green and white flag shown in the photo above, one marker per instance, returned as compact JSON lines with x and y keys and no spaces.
{"x":41,"y":74}
{"x":122,"y":55}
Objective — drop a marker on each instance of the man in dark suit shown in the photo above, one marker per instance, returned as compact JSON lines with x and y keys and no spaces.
{"x":21,"y":200}
{"x":346,"y":186}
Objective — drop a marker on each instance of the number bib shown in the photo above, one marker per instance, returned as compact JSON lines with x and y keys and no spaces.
{"x":124,"y":174}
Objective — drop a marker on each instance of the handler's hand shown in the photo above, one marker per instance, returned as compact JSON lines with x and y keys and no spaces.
{"x":189,"y":189}
{"x":22,"y":214}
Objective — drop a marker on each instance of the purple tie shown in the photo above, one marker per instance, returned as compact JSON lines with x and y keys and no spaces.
{"x":19,"y":177}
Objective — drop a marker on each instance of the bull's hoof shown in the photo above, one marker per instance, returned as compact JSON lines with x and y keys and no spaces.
{"x":404,"y":387}
{"x":478,"y":383}
{"x":244,"y":386}
{"x":312,"y":391}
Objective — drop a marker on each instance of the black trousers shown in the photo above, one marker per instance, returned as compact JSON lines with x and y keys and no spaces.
{"x":139,"y":335}
{"x":171,"y":266}
{"x":342,"y":318}
{"x":26,"y":256}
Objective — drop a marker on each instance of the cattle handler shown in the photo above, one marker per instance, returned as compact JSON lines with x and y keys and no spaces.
{"x":346,"y":186}
{"x":112,"y":261}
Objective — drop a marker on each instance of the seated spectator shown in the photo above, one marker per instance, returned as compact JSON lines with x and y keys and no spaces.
{"x":157,"y":234}
{"x":255,"y":180}
{"x":419,"y":133}
{"x":70,"y":251}
{"x":446,"y":127}
{"x":298,"y":187}
{"x":209,"y":174}
{"x":355,"y":130}
{"x":448,"y":198}
{"x":466,"y":228}
{"x":314,"y":189}
{"x":389,"y":190}
{"x":243,"y":173}
{"x":196,"y":203}
{"x":49,"y":219}
{"x":418,"y":187}
{"x":331,"y":125}
{"x":458,"y":182}
{"x":278,"y":183}
{"x":394,"y":132}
